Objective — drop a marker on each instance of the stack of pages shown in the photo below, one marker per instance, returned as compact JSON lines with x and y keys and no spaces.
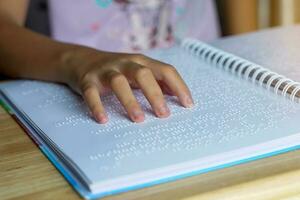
{"x":246,"y":108}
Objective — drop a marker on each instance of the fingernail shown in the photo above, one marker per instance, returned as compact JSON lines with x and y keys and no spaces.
{"x":101,"y":118}
{"x":137,"y":116}
{"x":188,"y":102}
{"x":163,"y":111}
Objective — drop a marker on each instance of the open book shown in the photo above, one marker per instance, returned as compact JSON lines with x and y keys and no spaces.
{"x":243,"y":111}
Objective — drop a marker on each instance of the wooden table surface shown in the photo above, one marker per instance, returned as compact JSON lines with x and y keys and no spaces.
{"x":25,"y":173}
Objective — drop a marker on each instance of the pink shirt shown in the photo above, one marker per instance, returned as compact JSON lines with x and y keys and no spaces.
{"x":132,"y":25}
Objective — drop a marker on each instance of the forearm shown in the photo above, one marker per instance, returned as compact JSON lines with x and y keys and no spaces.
{"x":25,"y":54}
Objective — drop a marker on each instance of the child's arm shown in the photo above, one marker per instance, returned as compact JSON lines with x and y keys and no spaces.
{"x":25,"y":54}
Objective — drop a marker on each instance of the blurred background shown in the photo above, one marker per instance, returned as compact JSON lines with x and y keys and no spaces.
{"x":240,"y":16}
{"x":235,"y":16}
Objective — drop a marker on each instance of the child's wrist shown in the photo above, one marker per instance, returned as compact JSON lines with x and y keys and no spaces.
{"x":73,"y":60}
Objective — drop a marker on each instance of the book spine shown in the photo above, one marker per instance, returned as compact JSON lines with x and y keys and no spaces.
{"x":5,"y":107}
{"x":243,"y":68}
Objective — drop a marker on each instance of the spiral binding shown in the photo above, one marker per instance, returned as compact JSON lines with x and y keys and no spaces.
{"x":243,"y":68}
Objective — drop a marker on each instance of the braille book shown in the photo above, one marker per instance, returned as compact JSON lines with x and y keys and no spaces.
{"x":246,"y":95}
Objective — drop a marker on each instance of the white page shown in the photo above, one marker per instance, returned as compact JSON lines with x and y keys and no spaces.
{"x":229,"y":114}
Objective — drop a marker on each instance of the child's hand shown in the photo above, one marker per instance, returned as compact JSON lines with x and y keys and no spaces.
{"x":92,"y":72}
{"x":26,"y":54}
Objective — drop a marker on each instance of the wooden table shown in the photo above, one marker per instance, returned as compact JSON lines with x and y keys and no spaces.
{"x":25,"y":173}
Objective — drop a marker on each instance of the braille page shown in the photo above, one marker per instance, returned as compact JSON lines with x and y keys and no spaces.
{"x":229,"y":114}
